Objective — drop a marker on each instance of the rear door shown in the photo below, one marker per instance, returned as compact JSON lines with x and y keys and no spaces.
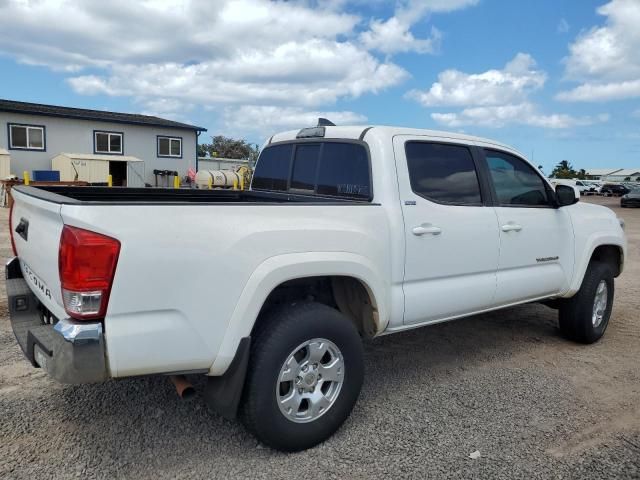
{"x":536,"y":239}
{"x":451,"y":230}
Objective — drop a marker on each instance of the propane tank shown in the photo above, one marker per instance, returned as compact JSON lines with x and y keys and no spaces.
{"x":216,"y":179}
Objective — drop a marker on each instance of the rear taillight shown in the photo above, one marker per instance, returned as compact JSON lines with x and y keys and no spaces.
{"x":87,"y":262}
{"x":13,"y":242}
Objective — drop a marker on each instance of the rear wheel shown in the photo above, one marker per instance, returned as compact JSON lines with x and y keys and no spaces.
{"x":304,"y":377}
{"x":584,"y":317}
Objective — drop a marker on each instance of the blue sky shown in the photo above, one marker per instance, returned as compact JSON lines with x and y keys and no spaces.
{"x":557,"y":79}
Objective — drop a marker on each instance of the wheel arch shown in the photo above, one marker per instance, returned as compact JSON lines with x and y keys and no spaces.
{"x":610,"y":254}
{"x":356,"y":285}
{"x":609,"y":250}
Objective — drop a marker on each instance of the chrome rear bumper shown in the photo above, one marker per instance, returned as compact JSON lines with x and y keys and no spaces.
{"x":69,"y":351}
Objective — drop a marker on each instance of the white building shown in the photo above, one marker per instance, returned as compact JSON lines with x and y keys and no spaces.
{"x":624,"y":175}
{"x":600,"y":173}
{"x":129,"y":147}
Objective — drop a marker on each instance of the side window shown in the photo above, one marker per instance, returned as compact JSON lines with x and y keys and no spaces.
{"x":515,"y":181}
{"x":272,"y":169}
{"x":443,"y":173}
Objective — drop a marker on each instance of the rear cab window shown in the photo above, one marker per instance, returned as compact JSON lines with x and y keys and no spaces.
{"x":327,"y":168}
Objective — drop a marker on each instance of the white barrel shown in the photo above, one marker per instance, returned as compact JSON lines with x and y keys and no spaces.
{"x":217,"y":178}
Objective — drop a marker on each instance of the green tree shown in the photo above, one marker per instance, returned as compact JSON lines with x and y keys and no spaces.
{"x":627,"y":179}
{"x":202,"y":150}
{"x":226,"y":147}
{"x":564,"y":169}
{"x":582,"y":174}
{"x":637,"y":179}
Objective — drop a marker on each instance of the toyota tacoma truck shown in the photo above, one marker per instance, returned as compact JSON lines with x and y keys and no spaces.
{"x":346,"y":233}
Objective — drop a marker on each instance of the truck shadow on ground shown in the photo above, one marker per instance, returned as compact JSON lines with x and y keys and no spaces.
{"x":143,"y":408}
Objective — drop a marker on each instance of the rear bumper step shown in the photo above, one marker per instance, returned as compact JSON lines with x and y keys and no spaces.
{"x":69,"y":351}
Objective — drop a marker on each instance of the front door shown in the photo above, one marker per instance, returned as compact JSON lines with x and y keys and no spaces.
{"x":536,"y":239}
{"x":451,"y":231}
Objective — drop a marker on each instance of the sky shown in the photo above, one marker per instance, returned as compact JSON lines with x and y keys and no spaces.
{"x":556,"y":79}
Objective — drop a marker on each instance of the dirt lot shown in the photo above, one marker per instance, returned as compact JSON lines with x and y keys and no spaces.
{"x":505,"y":383}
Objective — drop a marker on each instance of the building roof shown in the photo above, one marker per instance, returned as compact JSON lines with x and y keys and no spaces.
{"x":602,"y":171}
{"x":626,"y":172}
{"x":95,"y":115}
{"x":97,"y":156}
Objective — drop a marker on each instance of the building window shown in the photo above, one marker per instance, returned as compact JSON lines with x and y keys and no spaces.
{"x":107,"y":142}
{"x":170,"y":147}
{"x":26,"y":137}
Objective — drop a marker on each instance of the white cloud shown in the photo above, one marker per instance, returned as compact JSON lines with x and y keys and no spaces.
{"x":413,"y":10}
{"x":264,"y":120}
{"x":260,"y":64}
{"x":563,"y":26}
{"x":495,"y":98}
{"x":522,"y":113}
{"x":295,"y":53}
{"x":493,"y":87}
{"x":602,"y":92}
{"x":606,"y":59}
{"x":394,"y":34}
{"x":308,"y":73}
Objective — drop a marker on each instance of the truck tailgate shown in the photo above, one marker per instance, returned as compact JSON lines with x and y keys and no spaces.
{"x":37,"y":241}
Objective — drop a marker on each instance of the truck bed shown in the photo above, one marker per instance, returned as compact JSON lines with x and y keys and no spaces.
{"x":65,"y":195}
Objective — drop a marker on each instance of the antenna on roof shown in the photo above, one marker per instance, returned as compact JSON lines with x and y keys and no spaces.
{"x":323,"y":122}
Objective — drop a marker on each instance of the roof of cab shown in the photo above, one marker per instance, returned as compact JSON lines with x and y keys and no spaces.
{"x":359,"y":132}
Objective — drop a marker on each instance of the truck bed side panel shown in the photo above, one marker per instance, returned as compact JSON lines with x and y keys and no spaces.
{"x":182,"y":269}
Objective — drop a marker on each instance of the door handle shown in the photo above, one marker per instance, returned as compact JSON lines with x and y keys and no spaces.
{"x":425,"y":229}
{"x":511,"y":227}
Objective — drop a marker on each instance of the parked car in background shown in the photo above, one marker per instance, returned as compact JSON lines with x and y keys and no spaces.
{"x":614,"y":189}
{"x":583,"y":186}
{"x":595,"y":186}
{"x":569,"y":182}
{"x":631,"y":199}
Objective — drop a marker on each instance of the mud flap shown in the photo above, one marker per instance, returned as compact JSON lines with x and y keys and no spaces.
{"x":223,"y":394}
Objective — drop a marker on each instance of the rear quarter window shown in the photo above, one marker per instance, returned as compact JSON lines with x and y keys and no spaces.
{"x":272,"y":169}
{"x":335,"y":169}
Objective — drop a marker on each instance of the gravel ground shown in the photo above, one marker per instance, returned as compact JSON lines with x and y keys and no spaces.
{"x":505,"y":384}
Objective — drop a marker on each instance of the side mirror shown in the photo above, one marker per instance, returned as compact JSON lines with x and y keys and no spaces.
{"x":567,"y":195}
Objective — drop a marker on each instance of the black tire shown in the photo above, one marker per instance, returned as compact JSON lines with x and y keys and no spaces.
{"x":277,"y":336}
{"x":575,"y":314}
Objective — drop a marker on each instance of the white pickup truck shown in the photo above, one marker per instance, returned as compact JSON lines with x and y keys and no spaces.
{"x":346,"y":233}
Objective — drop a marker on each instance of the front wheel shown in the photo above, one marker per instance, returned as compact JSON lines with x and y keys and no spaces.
{"x":584,"y":317}
{"x":304,"y":376}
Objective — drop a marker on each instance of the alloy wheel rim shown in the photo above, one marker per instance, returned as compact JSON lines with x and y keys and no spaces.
{"x":310,"y":380}
{"x":599,"y":304}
